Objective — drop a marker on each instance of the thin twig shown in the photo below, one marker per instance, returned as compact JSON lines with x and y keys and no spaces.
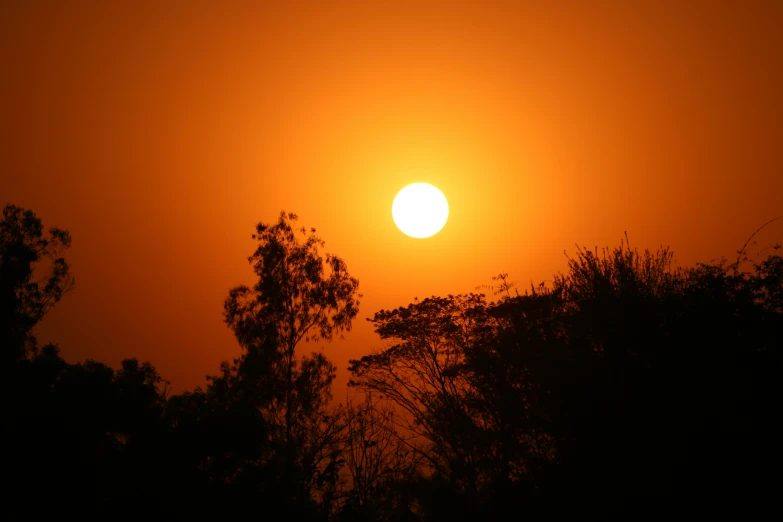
{"x":745,"y":246}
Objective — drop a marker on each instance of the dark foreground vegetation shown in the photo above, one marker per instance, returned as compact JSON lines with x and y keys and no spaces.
{"x":628,"y":389}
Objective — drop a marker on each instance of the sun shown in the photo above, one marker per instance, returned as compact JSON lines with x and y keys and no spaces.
{"x":420,"y":210}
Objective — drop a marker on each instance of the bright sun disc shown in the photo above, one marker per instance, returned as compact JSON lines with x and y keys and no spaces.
{"x":420,"y":210}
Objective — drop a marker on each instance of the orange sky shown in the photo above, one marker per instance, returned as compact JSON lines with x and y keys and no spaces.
{"x":160,"y":136}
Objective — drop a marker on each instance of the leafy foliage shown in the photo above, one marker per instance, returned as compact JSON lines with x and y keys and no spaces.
{"x":24,"y":300}
{"x":301,"y":295}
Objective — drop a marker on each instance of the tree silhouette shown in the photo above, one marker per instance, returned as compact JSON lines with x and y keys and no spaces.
{"x":25,"y":300}
{"x":82,"y":427}
{"x":459,"y":380}
{"x":421,"y":373}
{"x":616,"y":388}
{"x":301,"y":295}
{"x":379,"y":462}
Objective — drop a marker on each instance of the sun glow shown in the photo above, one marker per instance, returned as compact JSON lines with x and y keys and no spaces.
{"x":420,"y":210}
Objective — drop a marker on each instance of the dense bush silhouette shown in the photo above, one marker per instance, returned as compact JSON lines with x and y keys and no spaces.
{"x":627,"y":389}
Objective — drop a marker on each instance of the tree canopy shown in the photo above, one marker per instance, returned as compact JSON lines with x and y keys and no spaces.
{"x":26,"y":294}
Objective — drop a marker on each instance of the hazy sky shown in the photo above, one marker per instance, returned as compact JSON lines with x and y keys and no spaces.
{"x":159,"y":136}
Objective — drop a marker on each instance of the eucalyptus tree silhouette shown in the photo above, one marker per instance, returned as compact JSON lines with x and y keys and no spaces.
{"x":302,"y":295}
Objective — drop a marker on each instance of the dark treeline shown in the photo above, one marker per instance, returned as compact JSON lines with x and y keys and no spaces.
{"x":626,"y":389}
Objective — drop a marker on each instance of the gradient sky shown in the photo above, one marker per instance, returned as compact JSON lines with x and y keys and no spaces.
{"x":160,"y":135}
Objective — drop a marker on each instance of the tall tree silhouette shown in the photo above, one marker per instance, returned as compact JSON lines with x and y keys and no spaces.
{"x":25,"y":296}
{"x":302,"y":295}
